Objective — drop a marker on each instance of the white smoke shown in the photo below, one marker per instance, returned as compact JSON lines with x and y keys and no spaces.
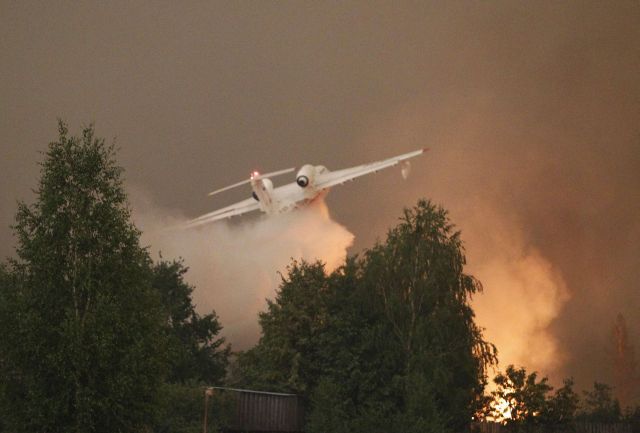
{"x":235,"y":268}
{"x":523,"y":293}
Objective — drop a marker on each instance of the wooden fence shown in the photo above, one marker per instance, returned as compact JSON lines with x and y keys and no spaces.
{"x":579,"y":427}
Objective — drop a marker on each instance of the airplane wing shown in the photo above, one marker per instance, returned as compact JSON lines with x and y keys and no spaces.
{"x":338,"y":177}
{"x":239,"y":208}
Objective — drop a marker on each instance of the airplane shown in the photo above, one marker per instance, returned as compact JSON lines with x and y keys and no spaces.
{"x":311,"y":183}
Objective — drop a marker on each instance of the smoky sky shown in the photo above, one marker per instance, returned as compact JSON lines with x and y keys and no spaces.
{"x":530,"y":109}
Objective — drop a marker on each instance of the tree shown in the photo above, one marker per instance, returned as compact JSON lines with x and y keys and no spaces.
{"x":195,"y":351}
{"x":385,"y":343}
{"x":563,"y":406}
{"x":626,"y":379}
{"x":286,"y":358}
{"x":83,"y":333}
{"x":632,"y":416}
{"x":599,"y":404}
{"x":519,"y":398}
{"x":418,"y":276}
{"x":6,"y":324}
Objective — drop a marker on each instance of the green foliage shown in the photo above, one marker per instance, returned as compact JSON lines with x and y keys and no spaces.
{"x":182,"y":409}
{"x":385,"y":343}
{"x":563,"y":406}
{"x":532,"y":407}
{"x":418,"y":277}
{"x":599,"y":405}
{"x":6,"y":325}
{"x":524,"y":395}
{"x":632,"y":416}
{"x":332,"y":408}
{"x":194,"y":350}
{"x":83,"y":332}
{"x":287,"y":357}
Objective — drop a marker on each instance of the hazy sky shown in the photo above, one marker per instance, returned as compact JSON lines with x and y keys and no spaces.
{"x":531,"y":111}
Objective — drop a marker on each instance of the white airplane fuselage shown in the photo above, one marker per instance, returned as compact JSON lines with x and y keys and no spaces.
{"x":283,"y":198}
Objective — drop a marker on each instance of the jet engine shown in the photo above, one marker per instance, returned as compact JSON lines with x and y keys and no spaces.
{"x":263,"y":192}
{"x":306,"y":176}
{"x":267,"y":185}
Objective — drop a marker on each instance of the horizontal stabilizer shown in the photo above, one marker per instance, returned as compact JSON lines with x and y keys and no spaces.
{"x":229,"y":187}
{"x":254,"y":175}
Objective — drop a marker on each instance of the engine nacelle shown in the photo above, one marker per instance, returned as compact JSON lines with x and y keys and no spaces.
{"x":262,"y":187}
{"x":306,"y":176}
{"x":267,"y":185}
{"x":263,"y":193}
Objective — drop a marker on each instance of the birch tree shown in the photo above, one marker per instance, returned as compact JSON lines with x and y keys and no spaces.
{"x":83,"y":337}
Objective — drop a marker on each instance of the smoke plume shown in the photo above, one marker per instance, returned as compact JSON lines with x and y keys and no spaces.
{"x":235,"y":268}
{"x":523,"y":292}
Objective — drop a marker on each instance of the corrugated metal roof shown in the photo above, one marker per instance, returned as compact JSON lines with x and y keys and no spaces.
{"x":252,"y":391}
